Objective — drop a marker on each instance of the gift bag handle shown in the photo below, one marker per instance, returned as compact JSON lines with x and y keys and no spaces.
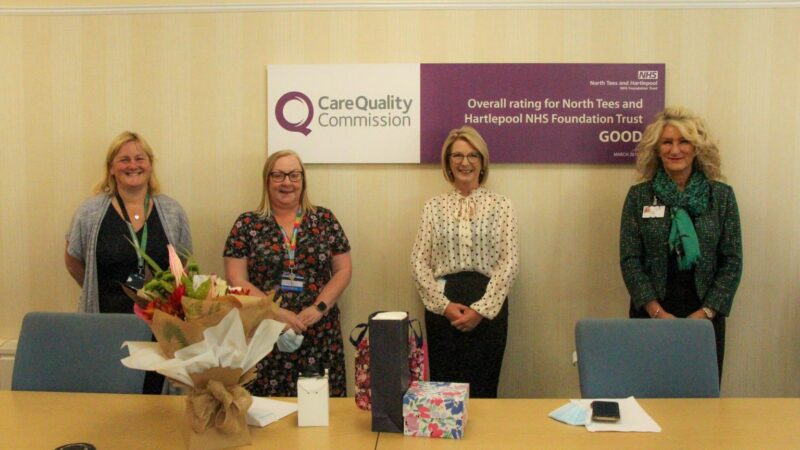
{"x":363,"y":327}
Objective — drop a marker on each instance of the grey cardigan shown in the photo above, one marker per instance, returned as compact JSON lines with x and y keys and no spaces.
{"x":82,"y":238}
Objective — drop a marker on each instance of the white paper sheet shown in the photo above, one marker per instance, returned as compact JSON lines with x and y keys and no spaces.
{"x":264,"y":411}
{"x":632,"y":417}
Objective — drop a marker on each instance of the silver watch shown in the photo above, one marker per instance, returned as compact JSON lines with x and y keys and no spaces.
{"x":710,"y":313}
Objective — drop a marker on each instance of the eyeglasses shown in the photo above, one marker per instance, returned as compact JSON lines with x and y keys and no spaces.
{"x":278,"y":176}
{"x":459,"y":157}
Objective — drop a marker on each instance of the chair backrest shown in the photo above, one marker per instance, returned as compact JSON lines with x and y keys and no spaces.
{"x":77,"y":352}
{"x":645,"y":358}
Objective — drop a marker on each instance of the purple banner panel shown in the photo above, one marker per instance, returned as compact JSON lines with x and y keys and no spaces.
{"x":542,"y":113}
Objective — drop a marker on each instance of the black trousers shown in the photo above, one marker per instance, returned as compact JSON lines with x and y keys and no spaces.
{"x":473,"y":357}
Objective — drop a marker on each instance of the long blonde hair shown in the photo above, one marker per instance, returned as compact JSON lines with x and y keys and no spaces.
{"x":693,"y":129}
{"x":264,"y":207}
{"x":107,"y":184}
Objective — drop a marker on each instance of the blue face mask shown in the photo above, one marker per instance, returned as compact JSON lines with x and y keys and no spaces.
{"x":571,"y":413}
{"x":289,"y":341}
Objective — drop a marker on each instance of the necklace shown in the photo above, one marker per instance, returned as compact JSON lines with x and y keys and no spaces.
{"x":136,"y":216}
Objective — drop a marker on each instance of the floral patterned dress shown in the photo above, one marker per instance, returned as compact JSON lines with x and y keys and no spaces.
{"x":319,"y":238}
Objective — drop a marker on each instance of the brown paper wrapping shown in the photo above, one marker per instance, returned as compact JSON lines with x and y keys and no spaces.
{"x":216,"y":409}
{"x":217,"y":404}
{"x":173,"y":334}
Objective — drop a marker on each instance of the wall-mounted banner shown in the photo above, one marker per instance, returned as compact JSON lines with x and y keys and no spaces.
{"x":389,"y":113}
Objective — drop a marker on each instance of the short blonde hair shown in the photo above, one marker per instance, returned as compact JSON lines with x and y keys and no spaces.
{"x":108,"y":185}
{"x":472,"y":137}
{"x":693,"y":129}
{"x":264,"y":207}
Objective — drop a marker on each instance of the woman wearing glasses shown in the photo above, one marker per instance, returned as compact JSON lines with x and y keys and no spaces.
{"x":464,"y":262}
{"x":301,"y":252}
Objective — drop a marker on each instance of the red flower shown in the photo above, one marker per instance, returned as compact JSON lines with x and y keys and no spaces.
{"x":435,"y":430}
{"x":174,"y":301}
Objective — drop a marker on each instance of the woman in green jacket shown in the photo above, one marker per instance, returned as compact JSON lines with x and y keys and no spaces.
{"x":680,"y":238}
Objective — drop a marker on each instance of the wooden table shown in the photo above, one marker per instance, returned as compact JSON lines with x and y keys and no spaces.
{"x":44,"y":420}
{"x":728,"y":423}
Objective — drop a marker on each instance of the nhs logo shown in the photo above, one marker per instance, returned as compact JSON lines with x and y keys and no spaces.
{"x":648,"y":75}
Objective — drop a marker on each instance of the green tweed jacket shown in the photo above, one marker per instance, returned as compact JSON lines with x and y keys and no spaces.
{"x":644,"y":250}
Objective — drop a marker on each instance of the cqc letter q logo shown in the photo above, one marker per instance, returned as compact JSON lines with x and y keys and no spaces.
{"x":289,"y":101}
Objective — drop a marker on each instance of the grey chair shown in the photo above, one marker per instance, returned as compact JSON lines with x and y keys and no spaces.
{"x":75,"y":352}
{"x":645,"y":358}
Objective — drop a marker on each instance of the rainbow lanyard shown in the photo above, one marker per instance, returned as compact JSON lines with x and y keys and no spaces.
{"x":291,"y":245}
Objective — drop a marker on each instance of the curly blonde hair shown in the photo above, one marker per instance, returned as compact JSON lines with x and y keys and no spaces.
{"x":692,"y":128}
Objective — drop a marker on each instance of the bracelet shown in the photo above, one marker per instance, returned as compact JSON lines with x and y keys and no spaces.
{"x":658,"y":311}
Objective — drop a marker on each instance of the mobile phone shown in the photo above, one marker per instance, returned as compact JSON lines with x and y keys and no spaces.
{"x":605,"y":411}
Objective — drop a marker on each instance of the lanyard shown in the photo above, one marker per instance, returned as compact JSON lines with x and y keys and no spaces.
{"x":139,"y":245}
{"x":291,"y":245}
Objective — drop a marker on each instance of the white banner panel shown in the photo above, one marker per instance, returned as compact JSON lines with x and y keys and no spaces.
{"x":361,"y":113}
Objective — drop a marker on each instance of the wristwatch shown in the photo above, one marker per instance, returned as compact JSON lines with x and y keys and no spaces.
{"x":322,"y":307}
{"x":710,"y":313}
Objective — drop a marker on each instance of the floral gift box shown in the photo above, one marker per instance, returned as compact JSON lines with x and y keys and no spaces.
{"x":435,"y":409}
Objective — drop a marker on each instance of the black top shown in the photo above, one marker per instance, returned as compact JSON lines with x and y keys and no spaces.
{"x":681,"y":298}
{"x":116,"y":258}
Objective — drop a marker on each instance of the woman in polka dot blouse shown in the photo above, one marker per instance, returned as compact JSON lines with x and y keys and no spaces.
{"x":464,"y":262}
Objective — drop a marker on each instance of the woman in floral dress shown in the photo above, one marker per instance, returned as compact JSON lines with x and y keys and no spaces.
{"x":301,"y":252}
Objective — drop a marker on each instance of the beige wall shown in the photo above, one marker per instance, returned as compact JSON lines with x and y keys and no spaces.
{"x":195,"y":86}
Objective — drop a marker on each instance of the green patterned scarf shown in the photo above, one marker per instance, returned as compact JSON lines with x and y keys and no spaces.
{"x":693,"y":201}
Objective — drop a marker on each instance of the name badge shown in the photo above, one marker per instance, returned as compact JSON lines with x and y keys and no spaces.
{"x":291,"y":282}
{"x":653,"y":211}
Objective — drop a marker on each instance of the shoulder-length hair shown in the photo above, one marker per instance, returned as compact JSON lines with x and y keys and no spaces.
{"x":264,"y":207}
{"x":108,"y":185}
{"x":472,"y":137}
{"x":692,"y":128}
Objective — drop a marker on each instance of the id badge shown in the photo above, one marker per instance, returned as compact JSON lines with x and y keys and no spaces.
{"x":291,"y":282}
{"x":135,"y":281}
{"x":653,"y":211}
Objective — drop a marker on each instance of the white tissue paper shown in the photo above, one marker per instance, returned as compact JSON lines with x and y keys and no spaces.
{"x":224,"y":346}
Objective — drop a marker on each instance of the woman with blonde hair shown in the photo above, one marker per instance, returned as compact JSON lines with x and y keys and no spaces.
{"x":680,"y":237}
{"x":464,"y":262}
{"x":301,"y":252}
{"x":127,"y":209}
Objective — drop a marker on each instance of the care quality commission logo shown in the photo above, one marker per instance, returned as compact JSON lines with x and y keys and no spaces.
{"x":294,"y":111}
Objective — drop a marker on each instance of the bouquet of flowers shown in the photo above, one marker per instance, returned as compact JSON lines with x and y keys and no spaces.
{"x":209,"y":338}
